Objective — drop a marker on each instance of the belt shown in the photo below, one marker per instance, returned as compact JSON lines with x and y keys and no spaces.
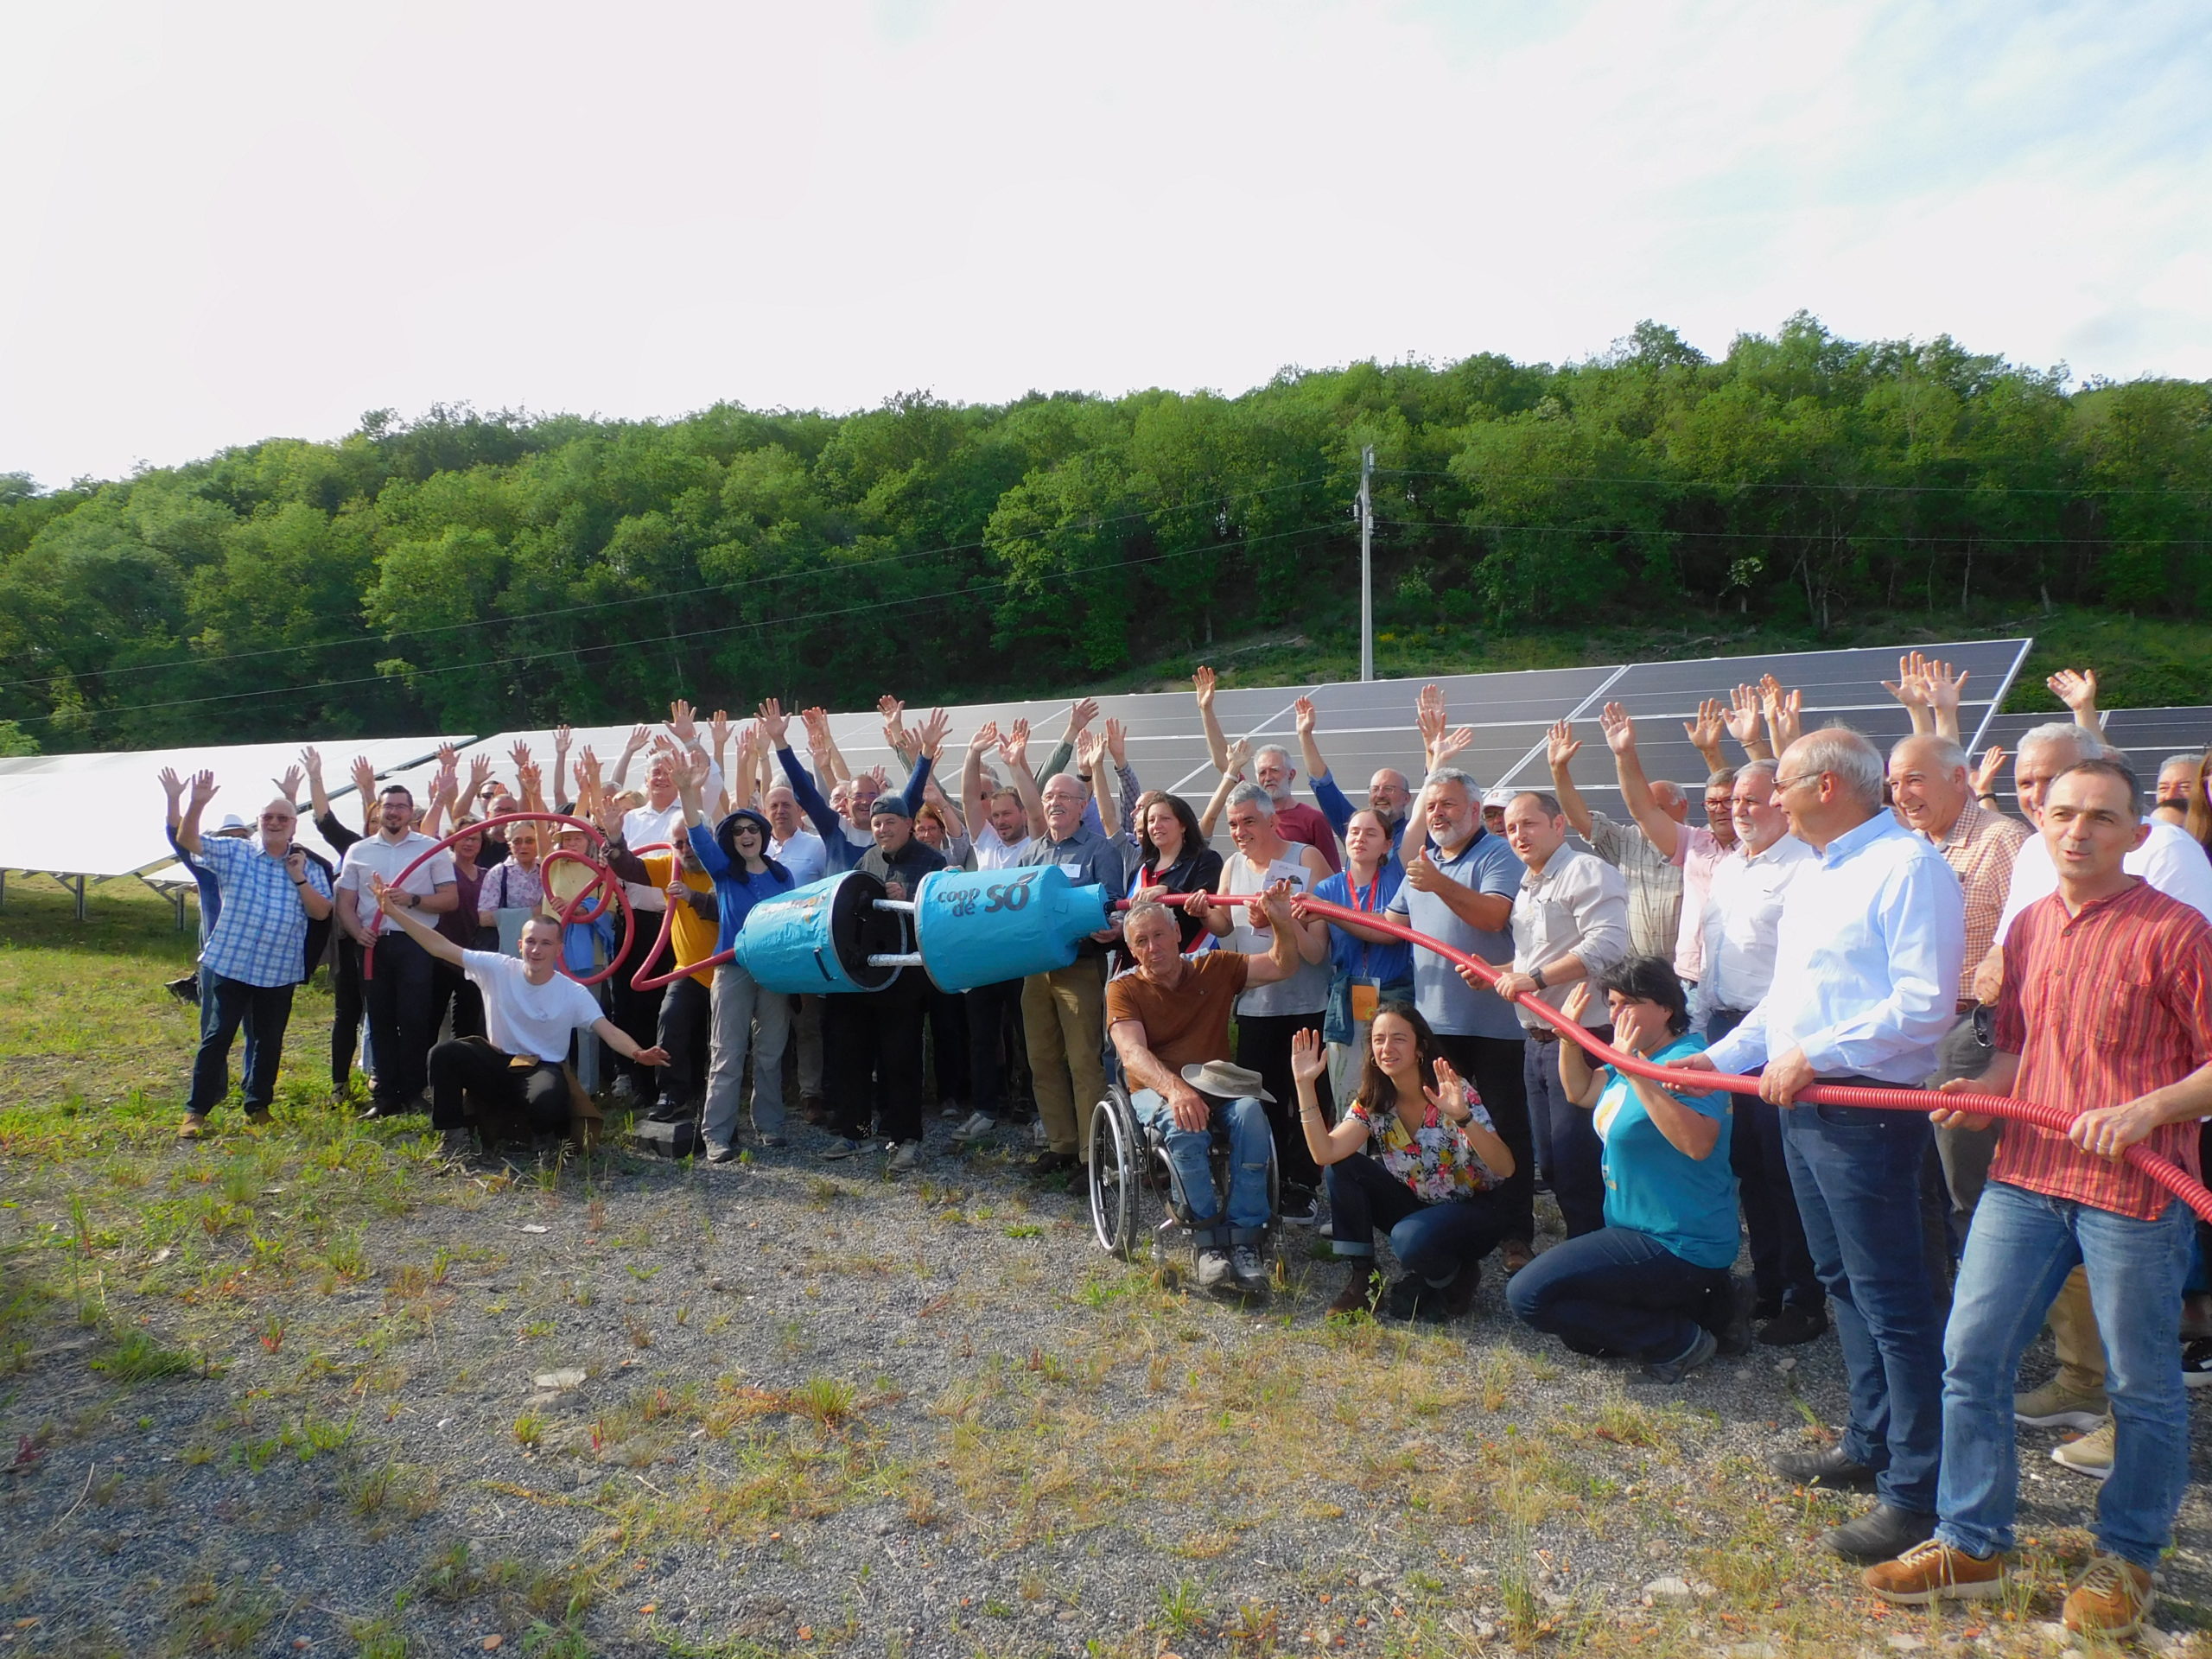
{"x":1542,"y":1034}
{"x":1965,"y":1005}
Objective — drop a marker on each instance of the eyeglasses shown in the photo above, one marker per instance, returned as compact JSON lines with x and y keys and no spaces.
{"x":1782,"y":785}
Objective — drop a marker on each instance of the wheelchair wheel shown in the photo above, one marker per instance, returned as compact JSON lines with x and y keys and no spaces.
{"x":1116,"y":1174}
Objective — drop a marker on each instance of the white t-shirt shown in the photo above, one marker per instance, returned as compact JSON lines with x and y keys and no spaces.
{"x":2170,"y":861}
{"x":803,"y":856}
{"x":521,"y":1018}
{"x":993,"y":853}
{"x":374,"y":855}
{"x":643,"y":827}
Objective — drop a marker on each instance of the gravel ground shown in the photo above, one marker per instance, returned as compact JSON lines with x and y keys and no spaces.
{"x":788,"y":1406}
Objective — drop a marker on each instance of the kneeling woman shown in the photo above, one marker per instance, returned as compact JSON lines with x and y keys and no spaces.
{"x":1653,"y":1281}
{"x":1415,"y":1153}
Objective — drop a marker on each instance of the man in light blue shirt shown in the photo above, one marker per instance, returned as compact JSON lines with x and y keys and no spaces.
{"x":1869,"y":950}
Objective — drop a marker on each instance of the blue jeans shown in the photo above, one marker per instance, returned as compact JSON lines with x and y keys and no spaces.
{"x":1250,"y":1147}
{"x":2019,"y":1250}
{"x":225,"y":1005}
{"x":1567,"y":1140}
{"x":1856,"y":1170}
{"x":1616,"y":1291}
{"x":1436,"y":1241}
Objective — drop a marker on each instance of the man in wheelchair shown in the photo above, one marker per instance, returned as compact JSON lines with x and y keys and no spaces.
{"x":1168,"y":1018}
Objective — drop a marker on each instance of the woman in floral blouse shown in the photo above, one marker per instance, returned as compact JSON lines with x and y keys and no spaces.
{"x":1415,"y":1153}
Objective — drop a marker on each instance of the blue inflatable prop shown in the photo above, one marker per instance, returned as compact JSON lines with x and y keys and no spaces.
{"x":979,"y":927}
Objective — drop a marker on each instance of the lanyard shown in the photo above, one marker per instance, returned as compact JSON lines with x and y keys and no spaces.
{"x":1368,"y":905}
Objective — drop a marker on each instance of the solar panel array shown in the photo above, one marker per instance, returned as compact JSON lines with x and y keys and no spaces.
{"x":2147,"y":736}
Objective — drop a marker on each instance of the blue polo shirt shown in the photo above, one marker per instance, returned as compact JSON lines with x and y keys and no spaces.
{"x":1451,"y":1007}
{"x":1653,"y":1186}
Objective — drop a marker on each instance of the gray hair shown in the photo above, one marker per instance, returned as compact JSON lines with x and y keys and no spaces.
{"x":1850,"y":756}
{"x":1948,"y":754}
{"x":2085,"y":744}
{"x":1769,"y":769}
{"x":1069,"y":777}
{"x":2193,"y":759}
{"x":1275,"y":749}
{"x":1723,"y":778}
{"x":1452,"y":775}
{"x":1143,"y":909}
{"x":1250,"y":795}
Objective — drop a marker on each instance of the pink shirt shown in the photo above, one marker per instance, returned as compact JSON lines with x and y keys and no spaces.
{"x":1699,"y":853}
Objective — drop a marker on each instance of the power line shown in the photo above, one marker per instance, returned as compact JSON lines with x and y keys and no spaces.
{"x":1992,"y":543}
{"x":968,"y":590}
{"x":1899,"y":489}
{"x":635,"y":598}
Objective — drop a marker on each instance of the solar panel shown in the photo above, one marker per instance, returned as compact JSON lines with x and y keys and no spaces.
{"x":2146,"y":736}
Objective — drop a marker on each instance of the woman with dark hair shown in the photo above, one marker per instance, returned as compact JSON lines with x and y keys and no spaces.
{"x":1414,"y":1153}
{"x":1652,"y":1283}
{"x":1362,"y":974}
{"x":1177,"y":860}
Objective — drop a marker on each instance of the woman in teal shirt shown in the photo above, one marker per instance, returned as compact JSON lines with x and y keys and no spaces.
{"x":1653,"y":1282}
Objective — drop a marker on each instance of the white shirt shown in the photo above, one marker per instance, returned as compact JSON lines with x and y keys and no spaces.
{"x":2170,"y":861}
{"x":521,"y":1018}
{"x":1867,"y":966}
{"x":1577,"y":907}
{"x":993,"y":854}
{"x":803,"y":856}
{"x":374,"y":855}
{"x":642,"y":827}
{"x":1741,"y":924}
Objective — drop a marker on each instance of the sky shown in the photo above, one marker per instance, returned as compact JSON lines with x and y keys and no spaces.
{"x":234,"y":221}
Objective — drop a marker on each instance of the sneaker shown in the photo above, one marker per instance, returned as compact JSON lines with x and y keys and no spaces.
{"x":1792,"y":1325}
{"x":1297,"y":1208}
{"x":625,"y":1087}
{"x":1359,"y":1294}
{"x":1213,"y":1268}
{"x":194,"y":1127}
{"x":1933,"y":1571}
{"x":721,"y":1154}
{"x":668,"y":1110}
{"x":2113,"y":1599}
{"x":2056,"y":1405}
{"x":1700,"y":1351}
{"x":2197,"y":1364}
{"x":904,"y":1156}
{"x":2091,"y":1455}
{"x":771,"y":1140}
{"x":974,"y":1127}
{"x":949,"y":1111}
{"x":1249,"y":1269}
{"x":844,"y":1146}
{"x":457,"y":1143}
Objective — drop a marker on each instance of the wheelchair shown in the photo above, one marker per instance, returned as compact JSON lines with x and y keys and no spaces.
{"x":1129,"y":1177}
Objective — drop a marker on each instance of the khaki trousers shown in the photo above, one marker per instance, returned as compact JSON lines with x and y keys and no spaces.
{"x":2074,"y":1333}
{"x":1064,"y":1025}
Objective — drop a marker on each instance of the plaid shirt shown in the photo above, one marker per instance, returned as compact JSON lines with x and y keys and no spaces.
{"x":1655,"y":885}
{"x":2102,"y":1008}
{"x":1979,"y":847}
{"x":261,"y":937}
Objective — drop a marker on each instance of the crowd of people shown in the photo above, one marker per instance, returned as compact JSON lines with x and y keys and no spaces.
{"x":1842,"y":917}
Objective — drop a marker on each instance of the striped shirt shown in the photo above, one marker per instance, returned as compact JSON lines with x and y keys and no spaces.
{"x":260,"y":937}
{"x":1980,"y":847}
{"x":2102,"y":1007}
{"x":1655,"y":885}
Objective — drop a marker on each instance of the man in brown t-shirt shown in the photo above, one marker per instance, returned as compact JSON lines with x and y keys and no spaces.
{"x":1168,"y":1019}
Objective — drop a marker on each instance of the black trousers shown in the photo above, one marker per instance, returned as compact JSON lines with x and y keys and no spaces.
{"x":225,"y":1005}
{"x":687,"y":1020}
{"x":950,"y":1046}
{"x":1781,"y":1262}
{"x":992,"y":1011}
{"x":638,"y":1011}
{"x":876,"y":1035}
{"x":346,"y":1020}
{"x":1496,"y":1066}
{"x":452,"y":988}
{"x":1263,"y":1046}
{"x":537,"y":1090}
{"x":399,"y":1019}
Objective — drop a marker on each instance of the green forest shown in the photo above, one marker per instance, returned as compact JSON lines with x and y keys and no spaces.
{"x":470,"y":572}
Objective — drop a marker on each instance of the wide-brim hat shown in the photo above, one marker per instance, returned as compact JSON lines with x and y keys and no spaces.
{"x":1226,"y":1082}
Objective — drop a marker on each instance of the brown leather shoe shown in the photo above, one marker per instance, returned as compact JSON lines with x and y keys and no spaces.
{"x":2113,"y":1599}
{"x":1518,"y":1254}
{"x":1359,"y":1294}
{"x":1934,"y":1572}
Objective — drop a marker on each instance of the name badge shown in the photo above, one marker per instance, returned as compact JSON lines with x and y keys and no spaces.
{"x":1364,"y":995}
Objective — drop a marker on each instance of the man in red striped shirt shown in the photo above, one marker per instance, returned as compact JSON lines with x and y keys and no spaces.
{"x":2110,"y":1016}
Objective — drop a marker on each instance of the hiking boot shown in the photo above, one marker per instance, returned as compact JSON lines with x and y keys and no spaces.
{"x":1792,"y":1325}
{"x":1249,"y":1269}
{"x":905,"y":1156}
{"x":2091,"y":1455}
{"x":1702,"y":1348}
{"x":2056,"y":1405}
{"x":1359,"y":1294}
{"x":974,"y":1127}
{"x":1883,"y":1534}
{"x":1213,"y":1268}
{"x":194,"y":1127}
{"x":2113,"y":1599}
{"x":1933,"y":1571}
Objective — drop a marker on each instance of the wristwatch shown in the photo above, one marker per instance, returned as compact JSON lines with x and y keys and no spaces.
{"x":1536,"y":978}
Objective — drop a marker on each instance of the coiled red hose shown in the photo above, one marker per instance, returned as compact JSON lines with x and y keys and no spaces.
{"x":2162,"y":1170}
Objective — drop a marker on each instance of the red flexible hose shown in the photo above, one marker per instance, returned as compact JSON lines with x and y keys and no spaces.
{"x":2162,"y":1170}
{"x":602,"y":878}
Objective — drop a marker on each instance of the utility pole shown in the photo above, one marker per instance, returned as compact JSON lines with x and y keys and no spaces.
{"x":1367,"y":563}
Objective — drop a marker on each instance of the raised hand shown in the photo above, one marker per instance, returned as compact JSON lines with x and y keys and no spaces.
{"x":1943,"y":689}
{"x":681,"y":723}
{"x":1785,"y":710}
{"x":1909,"y":687}
{"x":773,"y":720}
{"x":640,"y":736}
{"x":289,"y":784}
{"x":1309,"y":1058}
{"x":203,"y":789}
{"x":1742,"y":717}
{"x":930,"y":733}
{"x":1117,"y":739}
{"x":1089,"y":751}
{"x":311,"y":763}
{"x":1561,"y":746}
{"x":1304,"y":713}
{"x":479,"y":773}
{"x":1577,"y":1000}
{"x":1014,"y":745}
{"x":364,"y":777}
{"x":563,"y":739}
{"x":1202,"y":683}
{"x":817,"y":727}
{"x":1451,"y":743}
{"x":986,"y":738}
{"x":718,"y":730}
{"x":448,"y":756}
{"x":172,"y":785}
{"x":1429,"y":715}
{"x":1081,"y":713}
{"x":519,"y":754}
{"x":2077,"y":689}
{"x":1986,"y":774}
{"x":1449,"y":1096}
{"x":1704,"y":733}
{"x":1240,"y":755}
{"x":1619,"y":728}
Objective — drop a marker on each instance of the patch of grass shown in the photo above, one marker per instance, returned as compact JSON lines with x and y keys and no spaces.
{"x":136,"y":1357}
